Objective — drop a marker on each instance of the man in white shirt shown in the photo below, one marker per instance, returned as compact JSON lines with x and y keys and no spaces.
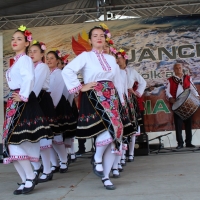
{"x":176,"y":85}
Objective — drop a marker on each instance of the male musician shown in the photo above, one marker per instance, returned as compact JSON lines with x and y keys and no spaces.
{"x":176,"y":85}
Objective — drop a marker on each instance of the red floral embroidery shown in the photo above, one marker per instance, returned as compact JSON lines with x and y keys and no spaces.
{"x":11,"y":113}
{"x":9,"y":103}
{"x":111,"y":85}
{"x":119,"y":132}
{"x":115,"y":121}
{"x":116,"y":103}
{"x":107,"y":94}
{"x":115,"y":113}
{"x":87,"y":117}
{"x":99,"y":87}
{"x":5,"y":133}
{"x":106,"y":104}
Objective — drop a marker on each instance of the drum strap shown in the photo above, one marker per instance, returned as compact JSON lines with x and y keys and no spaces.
{"x":177,"y":80}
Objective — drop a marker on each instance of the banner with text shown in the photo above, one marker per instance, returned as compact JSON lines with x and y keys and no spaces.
{"x":153,"y":45}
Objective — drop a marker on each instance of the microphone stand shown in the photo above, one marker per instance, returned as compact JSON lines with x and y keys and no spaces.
{"x":160,"y":144}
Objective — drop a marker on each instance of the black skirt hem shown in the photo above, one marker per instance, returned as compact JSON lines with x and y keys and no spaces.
{"x":32,"y":141}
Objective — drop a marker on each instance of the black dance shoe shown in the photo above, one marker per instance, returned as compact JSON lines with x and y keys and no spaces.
{"x":38,"y":171}
{"x":179,"y":147}
{"x":56,"y":169}
{"x":64,"y":170}
{"x":34,"y":182}
{"x":96,"y":172}
{"x":17,"y":192}
{"x":115,"y":175}
{"x":130,"y":159}
{"x":190,"y":146}
{"x":48,"y":178}
{"x":108,"y":187}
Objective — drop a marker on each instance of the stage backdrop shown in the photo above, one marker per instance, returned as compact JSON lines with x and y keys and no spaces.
{"x":153,"y":45}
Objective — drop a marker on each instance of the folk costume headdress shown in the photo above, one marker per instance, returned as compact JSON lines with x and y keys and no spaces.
{"x":42,"y":45}
{"x":121,"y":53}
{"x":27,"y":33}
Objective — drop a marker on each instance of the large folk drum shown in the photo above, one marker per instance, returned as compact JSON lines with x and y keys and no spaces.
{"x":186,"y":104}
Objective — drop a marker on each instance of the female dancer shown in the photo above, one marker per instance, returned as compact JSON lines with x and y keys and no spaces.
{"x":117,"y":167}
{"x":42,"y":77}
{"x":99,"y":110}
{"x":56,"y":89}
{"x":24,"y":124}
{"x":69,"y":132}
{"x":135,"y":94}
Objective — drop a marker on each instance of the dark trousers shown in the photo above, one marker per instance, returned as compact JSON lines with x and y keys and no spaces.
{"x":188,"y":129}
{"x":142,"y":128}
{"x":81,"y":144}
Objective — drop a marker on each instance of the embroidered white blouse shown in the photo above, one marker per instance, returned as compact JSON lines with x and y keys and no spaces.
{"x":56,"y":86}
{"x":124,"y":81}
{"x":21,"y":76}
{"x":42,"y":78}
{"x":134,"y":76}
{"x":94,"y":67}
{"x":180,"y":88}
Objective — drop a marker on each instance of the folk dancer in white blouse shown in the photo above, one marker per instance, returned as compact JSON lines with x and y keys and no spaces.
{"x":99,"y":110}
{"x":56,"y":89}
{"x":121,"y":55}
{"x":134,"y":76}
{"x":42,"y":79}
{"x":128,"y":128}
{"x":69,"y":140}
{"x":24,"y":124}
{"x":70,"y":131}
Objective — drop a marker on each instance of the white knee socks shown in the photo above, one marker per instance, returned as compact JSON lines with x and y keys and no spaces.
{"x":53,"y":158}
{"x":26,"y":165}
{"x":98,"y":157}
{"x":60,"y":150}
{"x":45,"y":154}
{"x":72,"y":146}
{"x":36,"y":165}
{"x":21,"y":173}
{"x":108,"y":160}
{"x":131,"y":146}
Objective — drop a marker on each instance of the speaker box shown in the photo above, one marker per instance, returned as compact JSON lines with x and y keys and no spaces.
{"x":141,"y":145}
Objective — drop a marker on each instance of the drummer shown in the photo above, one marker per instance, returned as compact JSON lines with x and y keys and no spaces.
{"x":175,"y":86}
